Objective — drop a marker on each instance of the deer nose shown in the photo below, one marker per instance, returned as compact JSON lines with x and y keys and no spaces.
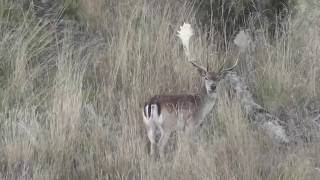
{"x":213,"y":87}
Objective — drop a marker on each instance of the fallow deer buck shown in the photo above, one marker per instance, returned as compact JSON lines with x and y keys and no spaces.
{"x":186,"y":112}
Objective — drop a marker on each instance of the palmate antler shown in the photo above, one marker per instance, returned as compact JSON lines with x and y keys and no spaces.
{"x":185,"y":34}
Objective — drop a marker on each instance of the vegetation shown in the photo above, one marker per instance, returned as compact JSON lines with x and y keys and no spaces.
{"x":73,"y":81}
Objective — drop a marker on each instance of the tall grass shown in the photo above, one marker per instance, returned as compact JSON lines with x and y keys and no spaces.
{"x":70,"y":100}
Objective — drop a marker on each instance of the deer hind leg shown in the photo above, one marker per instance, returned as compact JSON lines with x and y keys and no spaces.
{"x":152,"y":139}
{"x":163,"y":141}
{"x":151,"y":128}
{"x":152,"y":118}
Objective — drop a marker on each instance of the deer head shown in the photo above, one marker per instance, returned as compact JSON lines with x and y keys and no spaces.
{"x":212,"y":78}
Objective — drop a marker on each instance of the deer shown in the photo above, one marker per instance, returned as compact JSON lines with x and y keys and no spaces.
{"x":185,"y":112}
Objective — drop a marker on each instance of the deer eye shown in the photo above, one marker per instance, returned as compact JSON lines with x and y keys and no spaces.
{"x":206,"y":78}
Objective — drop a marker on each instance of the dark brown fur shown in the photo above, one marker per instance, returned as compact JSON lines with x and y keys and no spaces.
{"x":172,"y":102}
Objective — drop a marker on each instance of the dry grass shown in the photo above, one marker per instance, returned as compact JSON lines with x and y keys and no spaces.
{"x":70,"y":102}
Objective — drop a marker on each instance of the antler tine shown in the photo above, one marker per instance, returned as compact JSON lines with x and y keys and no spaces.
{"x":221,"y":68}
{"x":207,"y":65}
{"x":196,"y":65}
{"x":231,"y":68}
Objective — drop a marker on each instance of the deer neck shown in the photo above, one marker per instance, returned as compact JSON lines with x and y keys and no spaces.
{"x":207,"y":101}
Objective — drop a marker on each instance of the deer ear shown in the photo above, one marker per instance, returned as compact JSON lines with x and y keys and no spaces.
{"x":200,"y":69}
{"x":202,"y":72}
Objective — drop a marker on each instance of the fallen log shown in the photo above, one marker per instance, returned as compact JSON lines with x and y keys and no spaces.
{"x":257,"y":115}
